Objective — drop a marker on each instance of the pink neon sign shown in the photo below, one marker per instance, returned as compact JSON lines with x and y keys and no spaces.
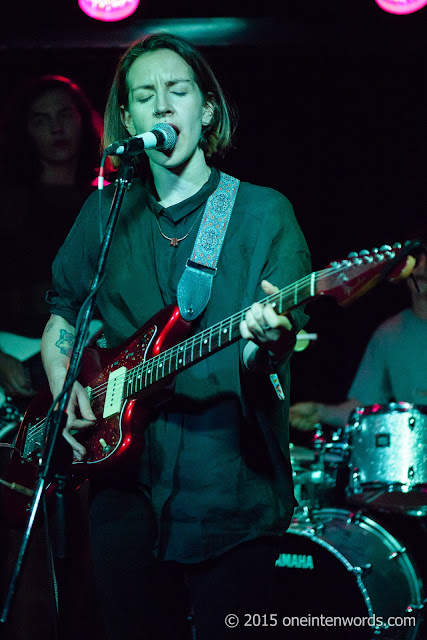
{"x":401,"y":6}
{"x":109,"y":10}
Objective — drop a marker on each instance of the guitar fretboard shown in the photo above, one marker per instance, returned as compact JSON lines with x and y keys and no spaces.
{"x":213,"y":339}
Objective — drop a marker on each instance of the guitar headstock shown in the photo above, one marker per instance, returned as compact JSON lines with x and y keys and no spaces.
{"x":350,"y":278}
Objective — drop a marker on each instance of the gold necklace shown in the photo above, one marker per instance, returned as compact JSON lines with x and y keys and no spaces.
{"x":174,"y":241}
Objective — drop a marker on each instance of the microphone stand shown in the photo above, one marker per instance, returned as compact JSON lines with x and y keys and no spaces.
{"x":57,"y":455}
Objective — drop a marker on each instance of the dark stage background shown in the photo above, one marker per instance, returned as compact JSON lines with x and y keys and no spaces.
{"x":332,"y":104}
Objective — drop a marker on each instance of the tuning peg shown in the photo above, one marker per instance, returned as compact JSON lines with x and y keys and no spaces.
{"x":364,"y":252}
{"x":397,"y":245}
{"x":353,"y":254}
{"x":374,"y":250}
{"x":385,"y":247}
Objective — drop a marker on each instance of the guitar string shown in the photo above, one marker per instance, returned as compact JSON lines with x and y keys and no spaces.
{"x":159,"y":360}
{"x":178,"y":349}
{"x":173,"y":351}
{"x":139,"y":369}
{"x":148,"y":365}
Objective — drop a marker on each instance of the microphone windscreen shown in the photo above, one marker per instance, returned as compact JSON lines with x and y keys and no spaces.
{"x":170,"y":135}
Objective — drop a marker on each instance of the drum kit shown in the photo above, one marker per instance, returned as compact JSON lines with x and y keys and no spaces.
{"x":357,"y":544}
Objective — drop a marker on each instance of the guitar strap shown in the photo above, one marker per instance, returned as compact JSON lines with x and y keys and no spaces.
{"x":195,"y":285}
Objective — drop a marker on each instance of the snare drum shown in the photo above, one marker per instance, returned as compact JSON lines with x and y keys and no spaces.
{"x":346,"y":566}
{"x":388,"y":458}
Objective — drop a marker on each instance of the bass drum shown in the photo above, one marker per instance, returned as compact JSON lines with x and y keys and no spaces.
{"x":342,"y":575}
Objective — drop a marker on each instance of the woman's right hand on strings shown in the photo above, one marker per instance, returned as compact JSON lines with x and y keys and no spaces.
{"x":79,"y":416}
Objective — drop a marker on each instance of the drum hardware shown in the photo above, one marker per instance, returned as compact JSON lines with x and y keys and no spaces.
{"x":319,"y":528}
{"x":355,"y":485}
{"x":318,"y":471}
{"x":10,"y":418}
{"x":355,"y":426}
{"x":318,"y":438}
{"x":304,"y":514}
{"x":355,"y":518}
{"x":397,"y":553}
{"x":416,"y":607}
{"x":362,"y":571}
{"x":10,"y":412}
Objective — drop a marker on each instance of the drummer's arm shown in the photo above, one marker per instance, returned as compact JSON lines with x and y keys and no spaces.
{"x":306,"y":415}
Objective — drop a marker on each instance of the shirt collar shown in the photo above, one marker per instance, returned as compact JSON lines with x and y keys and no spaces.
{"x":178,"y":211}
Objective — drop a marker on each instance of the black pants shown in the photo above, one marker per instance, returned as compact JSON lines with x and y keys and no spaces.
{"x":142,"y":599}
{"x":33,"y":614}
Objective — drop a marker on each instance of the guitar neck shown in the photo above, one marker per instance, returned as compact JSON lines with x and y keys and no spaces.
{"x":211,"y":340}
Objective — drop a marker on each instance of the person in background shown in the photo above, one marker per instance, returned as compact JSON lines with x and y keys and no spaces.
{"x":51,"y":149}
{"x":393,"y":367}
{"x":212,"y":491}
{"x":50,"y":138}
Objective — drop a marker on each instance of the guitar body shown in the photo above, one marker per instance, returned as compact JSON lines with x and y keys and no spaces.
{"x":114,"y":439}
{"x":124,"y":384}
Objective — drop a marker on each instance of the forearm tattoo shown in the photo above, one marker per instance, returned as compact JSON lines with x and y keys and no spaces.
{"x":66,"y":342}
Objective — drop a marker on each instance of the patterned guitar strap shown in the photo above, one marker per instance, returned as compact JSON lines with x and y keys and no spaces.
{"x":195,"y":285}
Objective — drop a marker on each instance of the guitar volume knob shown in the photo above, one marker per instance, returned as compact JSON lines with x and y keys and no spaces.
{"x":105,"y":447}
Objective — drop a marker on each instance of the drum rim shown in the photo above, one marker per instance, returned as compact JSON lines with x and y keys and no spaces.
{"x":383,"y":409}
{"x":361,"y":519}
{"x":312,"y":535}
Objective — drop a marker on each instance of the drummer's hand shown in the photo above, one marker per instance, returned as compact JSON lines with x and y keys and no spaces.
{"x":266,"y":328}
{"x":305,"y":415}
{"x":14,"y":378}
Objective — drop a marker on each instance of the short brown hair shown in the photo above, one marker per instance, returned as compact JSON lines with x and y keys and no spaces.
{"x":216,"y":137}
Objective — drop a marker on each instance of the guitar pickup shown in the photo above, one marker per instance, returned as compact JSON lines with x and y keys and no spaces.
{"x":114,"y":395}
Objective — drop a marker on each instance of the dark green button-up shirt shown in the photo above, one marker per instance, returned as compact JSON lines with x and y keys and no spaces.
{"x":210,"y":475}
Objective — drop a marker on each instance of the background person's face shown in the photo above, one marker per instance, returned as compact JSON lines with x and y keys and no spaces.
{"x":54,"y":124}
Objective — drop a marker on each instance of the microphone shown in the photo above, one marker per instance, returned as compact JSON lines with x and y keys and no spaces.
{"x":162,"y":137}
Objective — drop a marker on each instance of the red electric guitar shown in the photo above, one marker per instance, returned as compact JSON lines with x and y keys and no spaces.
{"x":124,"y":383}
